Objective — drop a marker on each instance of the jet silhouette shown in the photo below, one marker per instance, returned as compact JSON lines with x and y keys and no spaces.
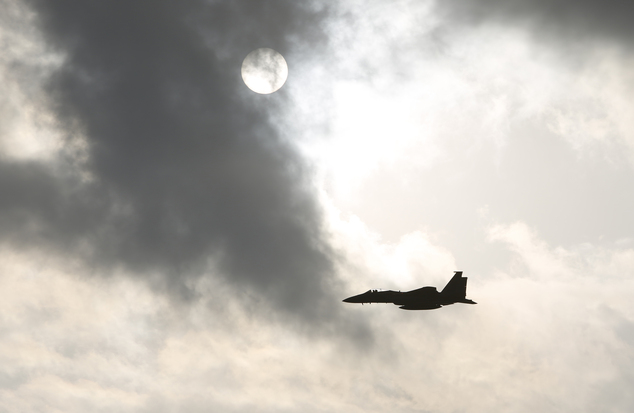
{"x":426,"y":298}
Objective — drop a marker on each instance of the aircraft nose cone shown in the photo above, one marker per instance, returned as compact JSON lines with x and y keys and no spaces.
{"x":355,"y":299}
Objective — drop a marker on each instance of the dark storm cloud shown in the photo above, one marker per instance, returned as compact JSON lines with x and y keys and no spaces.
{"x":565,"y":20}
{"x":185,"y":166}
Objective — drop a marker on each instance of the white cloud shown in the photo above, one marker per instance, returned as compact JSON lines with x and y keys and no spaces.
{"x":27,"y":130}
{"x":368,"y":260}
{"x":595,"y":117}
{"x":556,"y":335}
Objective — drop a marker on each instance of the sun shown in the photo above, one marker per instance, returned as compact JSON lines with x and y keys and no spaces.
{"x":264,"y":71}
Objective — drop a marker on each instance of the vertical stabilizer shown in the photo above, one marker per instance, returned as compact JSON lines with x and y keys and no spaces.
{"x":456,"y":287}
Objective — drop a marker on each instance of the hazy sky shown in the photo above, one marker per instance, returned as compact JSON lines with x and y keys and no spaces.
{"x":172,"y":241}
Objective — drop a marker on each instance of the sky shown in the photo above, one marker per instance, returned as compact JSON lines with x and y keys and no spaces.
{"x":172,"y":241}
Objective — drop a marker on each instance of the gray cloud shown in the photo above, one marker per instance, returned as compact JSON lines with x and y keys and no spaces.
{"x":564,"y":20}
{"x":185,"y":165}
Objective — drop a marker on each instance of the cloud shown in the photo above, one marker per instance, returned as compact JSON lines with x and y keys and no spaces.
{"x":560,"y":20}
{"x":181,"y":166}
{"x":553,"y":329}
{"x":169,"y":174}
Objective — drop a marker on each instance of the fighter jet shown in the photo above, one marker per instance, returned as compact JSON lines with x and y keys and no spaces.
{"x":426,"y":298}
